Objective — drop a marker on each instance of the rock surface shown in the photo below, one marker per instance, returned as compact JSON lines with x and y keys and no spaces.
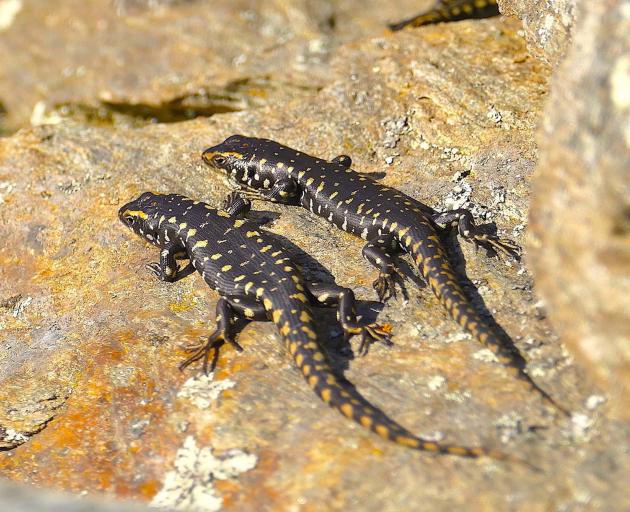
{"x":91,"y":400}
{"x":548,"y":25}
{"x":90,"y":59}
{"x":580,"y":215}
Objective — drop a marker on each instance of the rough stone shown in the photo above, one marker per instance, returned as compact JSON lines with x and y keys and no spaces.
{"x":431,"y":110}
{"x":548,"y":25}
{"x":580,"y":215}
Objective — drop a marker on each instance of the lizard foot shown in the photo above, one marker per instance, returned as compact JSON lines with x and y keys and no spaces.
{"x":497,"y":245}
{"x":236,"y":204}
{"x":204,"y":349}
{"x":156,"y":269}
{"x":369,"y":333}
{"x":385,"y":285}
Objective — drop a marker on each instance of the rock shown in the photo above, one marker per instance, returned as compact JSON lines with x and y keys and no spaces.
{"x":135,"y":61}
{"x":580,"y":214}
{"x":548,"y":25}
{"x":103,"y":336}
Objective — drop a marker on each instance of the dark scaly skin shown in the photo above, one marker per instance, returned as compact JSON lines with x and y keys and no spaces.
{"x":391,"y":222}
{"x":257,"y":281}
{"x":450,"y":10}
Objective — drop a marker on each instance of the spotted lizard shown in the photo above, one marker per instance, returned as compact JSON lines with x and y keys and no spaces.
{"x":258,"y":281}
{"x":450,"y":10}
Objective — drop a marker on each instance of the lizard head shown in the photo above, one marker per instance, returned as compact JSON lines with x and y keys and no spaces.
{"x":249,"y":162}
{"x":140,"y":215}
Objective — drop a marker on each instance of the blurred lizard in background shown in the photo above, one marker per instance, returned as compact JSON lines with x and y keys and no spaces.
{"x":450,"y":10}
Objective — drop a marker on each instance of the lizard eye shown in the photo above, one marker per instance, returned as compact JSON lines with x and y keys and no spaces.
{"x":219,"y":159}
{"x":131,"y":220}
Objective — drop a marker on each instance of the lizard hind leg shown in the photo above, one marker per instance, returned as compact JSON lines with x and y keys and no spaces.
{"x":467,"y":229}
{"x":227,"y":309}
{"x":381,"y":253}
{"x":343,"y":298}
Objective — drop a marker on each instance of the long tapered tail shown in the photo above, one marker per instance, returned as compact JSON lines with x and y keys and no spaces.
{"x":293,"y":319}
{"x":450,"y":11}
{"x":436,"y":269}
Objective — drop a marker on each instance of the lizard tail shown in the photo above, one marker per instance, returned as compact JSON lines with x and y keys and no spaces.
{"x":433,"y":264}
{"x":293,"y":319}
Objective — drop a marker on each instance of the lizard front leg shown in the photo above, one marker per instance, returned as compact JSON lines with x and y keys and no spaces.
{"x":235,"y":205}
{"x":227,"y":310}
{"x":167,"y":269}
{"x":285,"y":191}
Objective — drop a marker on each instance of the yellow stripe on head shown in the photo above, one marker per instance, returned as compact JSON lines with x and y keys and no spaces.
{"x":135,"y":213}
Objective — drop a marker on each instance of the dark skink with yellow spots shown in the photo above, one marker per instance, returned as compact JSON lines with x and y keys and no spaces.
{"x":389,"y":220}
{"x":451,"y":10}
{"x":258,"y":281}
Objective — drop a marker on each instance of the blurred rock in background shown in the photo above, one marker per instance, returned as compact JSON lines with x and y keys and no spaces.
{"x":580,"y":210}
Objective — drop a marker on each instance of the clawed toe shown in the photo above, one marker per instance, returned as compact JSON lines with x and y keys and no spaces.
{"x":385,"y":285}
{"x":155,"y":269}
{"x":385,"y":288}
{"x":250,"y":195}
{"x":236,"y":203}
{"x":204,"y":349}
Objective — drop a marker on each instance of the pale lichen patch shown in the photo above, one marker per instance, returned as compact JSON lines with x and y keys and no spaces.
{"x":190,"y":485}
{"x":202,"y":390}
{"x":485,"y":355}
{"x":436,"y":382}
{"x":13,"y":436}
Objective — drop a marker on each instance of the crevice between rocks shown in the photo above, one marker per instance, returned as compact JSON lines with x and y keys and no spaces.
{"x":238,"y":95}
